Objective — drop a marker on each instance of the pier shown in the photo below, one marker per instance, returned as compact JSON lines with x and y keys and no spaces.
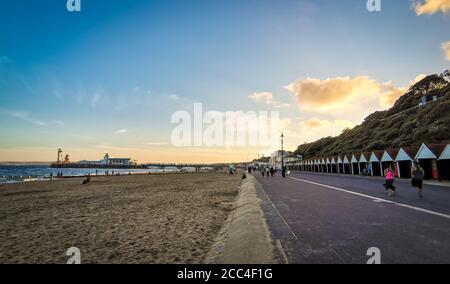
{"x":94,"y":166}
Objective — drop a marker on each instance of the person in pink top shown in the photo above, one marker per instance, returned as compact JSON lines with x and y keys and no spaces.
{"x":390,"y":179}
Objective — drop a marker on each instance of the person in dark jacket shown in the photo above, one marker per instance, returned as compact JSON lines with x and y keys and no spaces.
{"x":417,"y":174}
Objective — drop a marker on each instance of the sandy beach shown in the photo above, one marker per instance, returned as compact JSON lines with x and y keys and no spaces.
{"x":171,"y":218}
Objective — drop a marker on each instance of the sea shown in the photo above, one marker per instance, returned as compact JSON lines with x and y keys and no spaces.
{"x":23,"y":173}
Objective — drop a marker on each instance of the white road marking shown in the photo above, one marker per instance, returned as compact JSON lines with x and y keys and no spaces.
{"x":376,"y":198}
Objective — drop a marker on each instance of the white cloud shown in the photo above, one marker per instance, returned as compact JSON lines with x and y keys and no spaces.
{"x":121,"y":131}
{"x":431,"y":6}
{"x":95,"y":99}
{"x":446,"y":48}
{"x":174,"y":97}
{"x":25,"y":117}
{"x":418,"y":79}
{"x":265,"y":97}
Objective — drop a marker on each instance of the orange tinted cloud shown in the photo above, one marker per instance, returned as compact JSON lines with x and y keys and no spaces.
{"x":432,"y":6}
{"x":315,"y":128}
{"x":324,"y":123}
{"x":343,"y":93}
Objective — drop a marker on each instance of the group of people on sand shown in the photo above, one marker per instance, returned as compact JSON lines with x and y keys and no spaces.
{"x":417,"y":177}
{"x":58,"y":175}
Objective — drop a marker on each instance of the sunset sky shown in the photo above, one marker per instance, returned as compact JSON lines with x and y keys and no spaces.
{"x":109,"y":78}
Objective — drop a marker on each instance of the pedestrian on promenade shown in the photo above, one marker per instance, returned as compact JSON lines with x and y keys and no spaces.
{"x":389,"y":185}
{"x":272,"y":171}
{"x":263,"y":171}
{"x":417,"y":174}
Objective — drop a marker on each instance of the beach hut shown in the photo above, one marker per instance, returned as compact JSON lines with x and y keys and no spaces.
{"x":318,"y":166}
{"x":427,"y":157}
{"x":404,"y":159}
{"x":340,"y":165}
{"x":346,"y":165}
{"x":444,"y":163}
{"x":324,"y":166}
{"x":375,"y":167}
{"x":356,"y":170}
{"x":328,"y":163}
{"x":334,"y":166}
{"x":364,"y":163}
{"x":388,"y":160}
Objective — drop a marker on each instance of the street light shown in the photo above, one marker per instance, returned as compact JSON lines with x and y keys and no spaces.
{"x":283,"y":170}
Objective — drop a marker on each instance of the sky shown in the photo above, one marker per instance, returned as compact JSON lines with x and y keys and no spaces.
{"x":109,"y":78}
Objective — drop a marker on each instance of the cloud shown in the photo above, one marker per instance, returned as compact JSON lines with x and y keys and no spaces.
{"x":418,"y":79}
{"x":265,"y":97}
{"x":431,"y":6}
{"x":25,"y":117}
{"x":174,"y":97}
{"x":315,"y":128}
{"x":315,"y":123}
{"x":121,"y":131}
{"x":95,"y":99}
{"x":391,"y":95}
{"x":344,"y":94}
{"x":446,"y":48}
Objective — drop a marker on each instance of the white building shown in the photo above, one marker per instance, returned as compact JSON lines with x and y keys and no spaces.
{"x":107,"y":160}
{"x":289,"y":159}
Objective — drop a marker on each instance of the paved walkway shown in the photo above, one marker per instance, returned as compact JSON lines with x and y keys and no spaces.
{"x":319,"y":218}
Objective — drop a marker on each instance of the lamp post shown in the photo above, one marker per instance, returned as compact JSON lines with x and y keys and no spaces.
{"x":283,"y":169}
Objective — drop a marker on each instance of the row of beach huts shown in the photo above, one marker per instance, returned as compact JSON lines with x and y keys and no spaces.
{"x":434,"y":158}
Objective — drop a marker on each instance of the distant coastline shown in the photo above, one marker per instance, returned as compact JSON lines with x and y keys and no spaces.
{"x":9,"y":163}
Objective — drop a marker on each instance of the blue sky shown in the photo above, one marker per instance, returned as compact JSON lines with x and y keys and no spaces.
{"x":75,"y":80}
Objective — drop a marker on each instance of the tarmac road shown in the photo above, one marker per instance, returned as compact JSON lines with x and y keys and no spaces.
{"x":320,"y":218}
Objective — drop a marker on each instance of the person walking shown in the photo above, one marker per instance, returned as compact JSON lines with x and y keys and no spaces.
{"x":272,"y":171}
{"x":417,"y":174}
{"x":267,"y":171}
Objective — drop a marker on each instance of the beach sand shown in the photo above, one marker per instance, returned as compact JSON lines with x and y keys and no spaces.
{"x":171,"y":218}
